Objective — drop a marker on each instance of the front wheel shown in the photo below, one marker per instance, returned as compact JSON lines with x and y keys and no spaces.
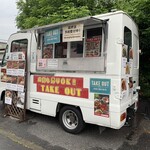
{"x":71,"y":119}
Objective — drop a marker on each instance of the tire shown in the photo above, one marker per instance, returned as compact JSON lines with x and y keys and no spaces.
{"x":3,"y":98}
{"x":71,"y":120}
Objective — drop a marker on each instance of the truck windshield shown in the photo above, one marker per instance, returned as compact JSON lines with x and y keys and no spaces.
{"x":3,"y":63}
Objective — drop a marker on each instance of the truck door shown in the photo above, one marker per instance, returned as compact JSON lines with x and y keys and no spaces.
{"x":16,"y":70}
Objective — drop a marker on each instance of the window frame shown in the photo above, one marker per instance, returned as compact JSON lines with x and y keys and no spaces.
{"x":131,"y":41}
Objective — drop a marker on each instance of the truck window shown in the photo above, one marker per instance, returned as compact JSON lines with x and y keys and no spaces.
{"x":3,"y":63}
{"x":135,"y":51}
{"x":61,"y":50}
{"x":19,"y":45}
{"x":128,"y":39}
{"x":76,"y":49}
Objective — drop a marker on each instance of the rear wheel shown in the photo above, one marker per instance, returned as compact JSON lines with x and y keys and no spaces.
{"x":3,"y":98}
{"x":71,"y":119}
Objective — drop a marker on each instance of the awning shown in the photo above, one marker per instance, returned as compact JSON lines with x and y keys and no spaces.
{"x":87,"y":21}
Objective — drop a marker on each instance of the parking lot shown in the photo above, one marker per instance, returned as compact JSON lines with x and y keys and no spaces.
{"x":44,"y":132}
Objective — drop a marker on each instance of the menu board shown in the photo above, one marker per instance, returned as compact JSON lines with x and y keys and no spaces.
{"x":93,"y":46}
{"x":15,"y":83}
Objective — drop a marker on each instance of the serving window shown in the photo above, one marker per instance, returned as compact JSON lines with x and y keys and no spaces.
{"x":90,"y":46}
{"x":71,"y":48}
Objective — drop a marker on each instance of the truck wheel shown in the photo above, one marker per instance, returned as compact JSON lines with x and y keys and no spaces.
{"x":71,"y":119}
{"x":3,"y":99}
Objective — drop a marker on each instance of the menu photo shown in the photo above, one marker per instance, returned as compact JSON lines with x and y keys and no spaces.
{"x":101,"y":105}
{"x":21,"y":55}
{"x":3,"y":75}
{"x":21,"y":68}
{"x":9,"y":68}
{"x":124,"y":87}
{"x":21,"y":100}
{"x":124,"y":51}
{"x":8,"y":97}
{"x":93,"y":46}
{"x":20,"y":83}
{"x":12,"y":68}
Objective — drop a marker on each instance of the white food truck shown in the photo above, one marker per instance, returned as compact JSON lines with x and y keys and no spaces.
{"x":83,"y":70}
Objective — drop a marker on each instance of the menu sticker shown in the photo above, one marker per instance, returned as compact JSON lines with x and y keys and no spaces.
{"x":124,"y":87}
{"x":52,"y":63}
{"x":3,"y":75}
{"x":73,"y":32}
{"x":20,"y":83}
{"x":21,"y":100}
{"x":93,"y":46}
{"x":42,"y":63}
{"x":8,"y":97}
{"x":125,"y":68}
{"x":101,"y":105}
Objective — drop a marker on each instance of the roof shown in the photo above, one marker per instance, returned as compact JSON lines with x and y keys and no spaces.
{"x":90,"y":20}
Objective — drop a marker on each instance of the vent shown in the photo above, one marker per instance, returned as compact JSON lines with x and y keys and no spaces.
{"x":35,"y":104}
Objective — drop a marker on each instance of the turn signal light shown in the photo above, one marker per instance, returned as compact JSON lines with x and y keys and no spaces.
{"x":123,"y":116}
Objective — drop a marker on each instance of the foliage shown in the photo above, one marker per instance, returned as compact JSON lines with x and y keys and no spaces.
{"x":41,"y":12}
{"x":142,"y":16}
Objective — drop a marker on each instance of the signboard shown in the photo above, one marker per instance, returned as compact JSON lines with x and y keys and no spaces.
{"x":15,"y":79}
{"x":101,"y":90}
{"x":15,"y":85}
{"x":73,"y":32}
{"x":101,"y":86}
{"x":68,"y":86}
{"x":52,"y":36}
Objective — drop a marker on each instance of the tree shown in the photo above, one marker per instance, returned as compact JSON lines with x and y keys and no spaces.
{"x":42,"y":12}
{"x":141,"y":15}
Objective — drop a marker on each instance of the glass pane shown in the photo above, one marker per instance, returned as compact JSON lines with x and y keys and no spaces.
{"x":127,"y":37}
{"x":4,"y":57}
{"x":61,"y":50}
{"x":76,"y":49}
{"x":19,"y":46}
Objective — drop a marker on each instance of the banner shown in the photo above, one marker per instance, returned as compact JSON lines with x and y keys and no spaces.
{"x":68,"y":86}
{"x":52,"y":36}
{"x":73,"y":32}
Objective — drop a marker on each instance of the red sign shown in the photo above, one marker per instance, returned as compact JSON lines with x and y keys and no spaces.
{"x":69,"y":86}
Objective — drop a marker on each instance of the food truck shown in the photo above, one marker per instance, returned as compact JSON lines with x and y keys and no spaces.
{"x":84,"y":70}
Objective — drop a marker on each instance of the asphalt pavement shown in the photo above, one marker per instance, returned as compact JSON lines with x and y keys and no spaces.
{"x":41,"y":132}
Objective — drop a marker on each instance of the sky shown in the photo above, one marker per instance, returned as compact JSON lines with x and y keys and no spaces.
{"x":8,"y":13}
